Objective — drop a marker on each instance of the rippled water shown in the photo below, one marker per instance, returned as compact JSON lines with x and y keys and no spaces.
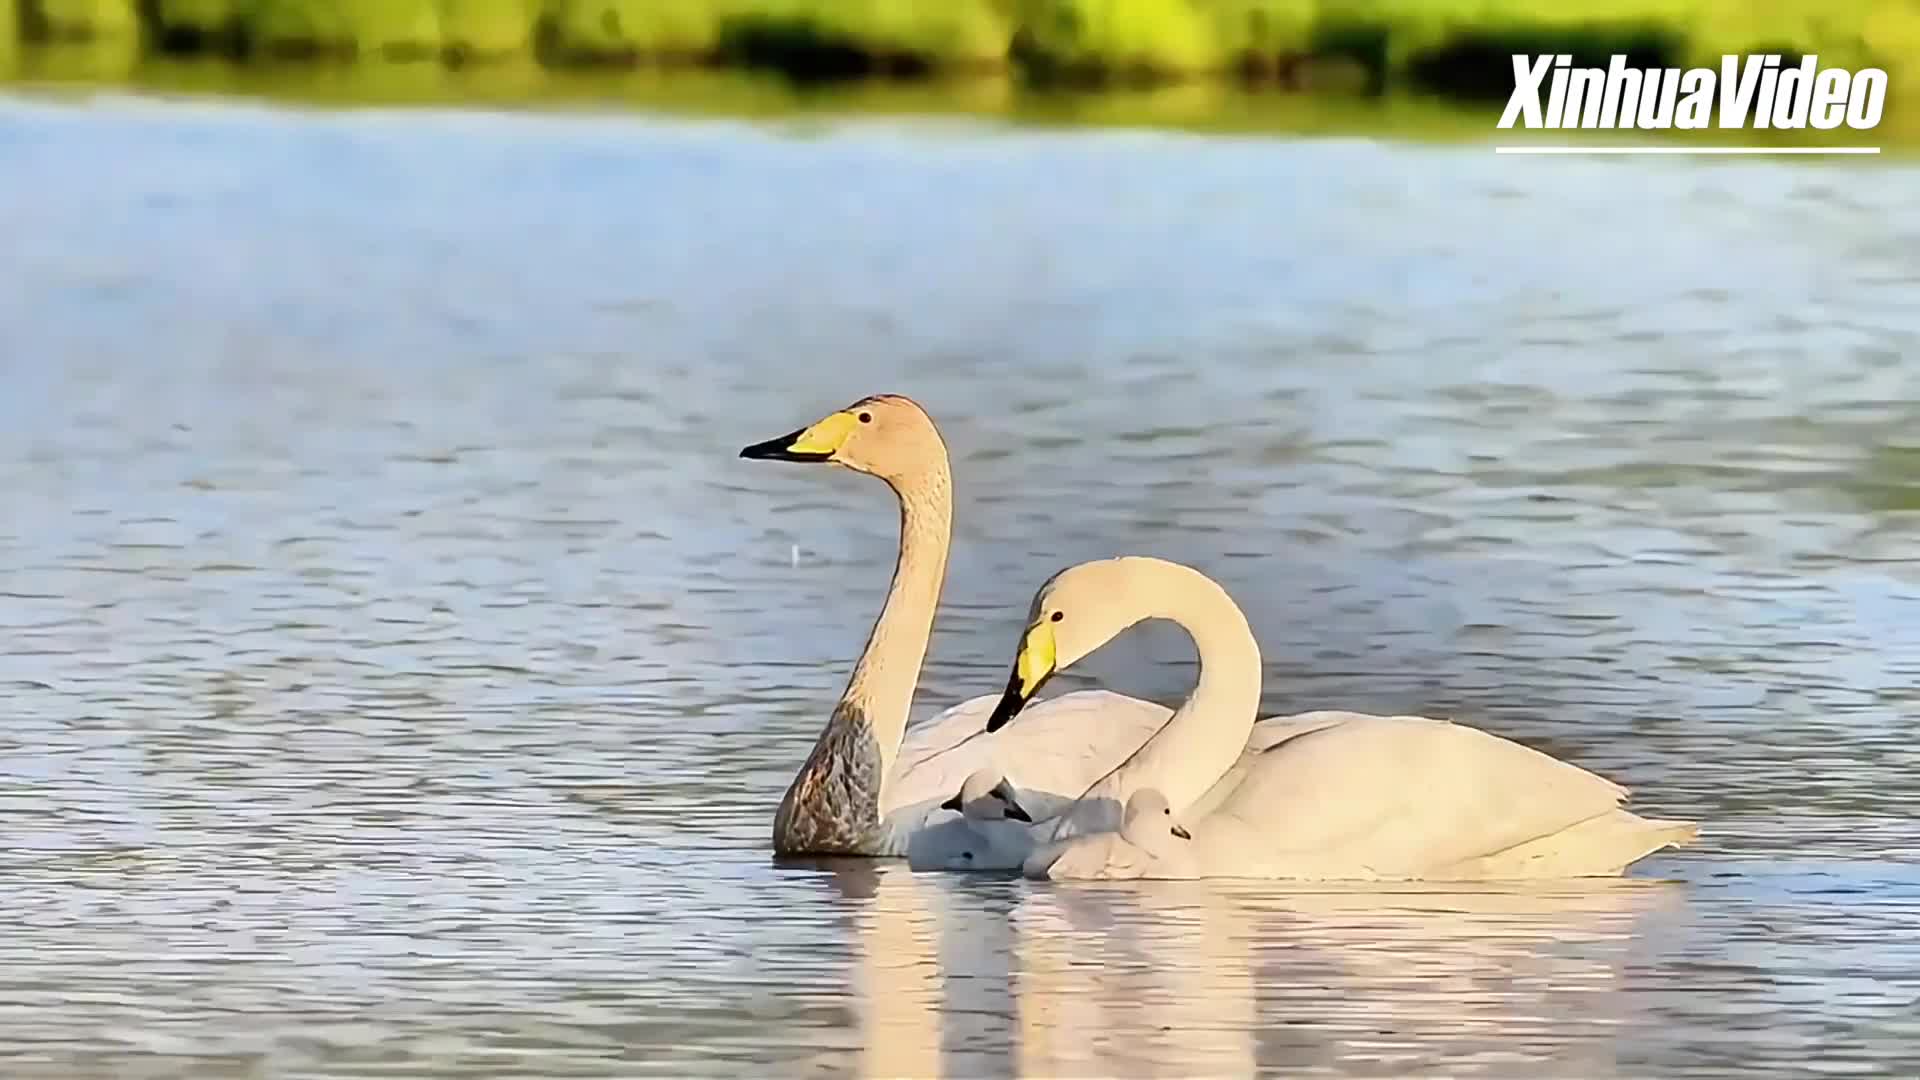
{"x":402,"y":669}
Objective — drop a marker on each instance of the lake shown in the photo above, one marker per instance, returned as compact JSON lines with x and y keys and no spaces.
{"x":403,"y":669}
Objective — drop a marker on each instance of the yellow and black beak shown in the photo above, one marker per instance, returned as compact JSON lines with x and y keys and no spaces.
{"x":781,"y":449}
{"x":817,"y":443}
{"x":1031,"y":669}
{"x":952,"y":804}
{"x":1182,"y":833}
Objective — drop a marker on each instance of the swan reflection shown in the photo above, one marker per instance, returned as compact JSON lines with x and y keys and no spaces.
{"x":963,"y":976}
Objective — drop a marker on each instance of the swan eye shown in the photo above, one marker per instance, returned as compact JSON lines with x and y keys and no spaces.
{"x":1058,"y":615}
{"x":967,"y":855}
{"x":1168,"y":811}
{"x":866,"y":418}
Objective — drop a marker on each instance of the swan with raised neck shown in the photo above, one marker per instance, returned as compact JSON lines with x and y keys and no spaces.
{"x":868,"y":784}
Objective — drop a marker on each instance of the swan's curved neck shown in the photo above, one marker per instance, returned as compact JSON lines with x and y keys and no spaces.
{"x":1205,"y":736}
{"x":834,"y":804}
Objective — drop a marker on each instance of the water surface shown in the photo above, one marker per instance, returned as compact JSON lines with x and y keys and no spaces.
{"x":402,"y":669}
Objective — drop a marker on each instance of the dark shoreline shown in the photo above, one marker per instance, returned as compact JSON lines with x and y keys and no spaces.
{"x":1457,"y":49}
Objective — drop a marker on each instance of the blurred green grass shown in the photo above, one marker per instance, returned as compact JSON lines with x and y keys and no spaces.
{"x":1456,"y":48}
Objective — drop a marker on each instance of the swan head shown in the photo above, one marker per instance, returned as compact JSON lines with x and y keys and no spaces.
{"x":1148,"y":821}
{"x":1080,"y":609}
{"x":986,"y":796}
{"x":886,"y":435}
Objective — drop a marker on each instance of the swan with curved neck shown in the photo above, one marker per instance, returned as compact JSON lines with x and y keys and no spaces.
{"x":1082,"y":608}
{"x":868,"y":783}
{"x":1321,"y":796}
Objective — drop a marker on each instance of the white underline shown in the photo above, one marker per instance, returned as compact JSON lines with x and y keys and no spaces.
{"x":1686,"y":149}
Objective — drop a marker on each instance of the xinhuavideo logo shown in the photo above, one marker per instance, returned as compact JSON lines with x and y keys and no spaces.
{"x":1751,"y":93}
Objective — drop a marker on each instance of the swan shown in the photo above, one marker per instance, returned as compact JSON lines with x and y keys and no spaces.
{"x":1325,"y":795}
{"x":869,"y":784}
{"x":1151,"y":843}
{"x":993,"y":831}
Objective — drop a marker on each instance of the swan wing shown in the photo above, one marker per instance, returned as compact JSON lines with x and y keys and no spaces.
{"x":1397,"y":795}
{"x":1054,"y":750}
{"x":1266,"y":735}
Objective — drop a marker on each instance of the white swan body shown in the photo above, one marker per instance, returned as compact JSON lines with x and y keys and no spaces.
{"x":1320,"y":796}
{"x":869,"y":784}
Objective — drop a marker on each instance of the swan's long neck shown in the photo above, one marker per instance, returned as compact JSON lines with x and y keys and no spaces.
{"x":888,"y":670}
{"x":834,"y":804}
{"x":1205,"y":736}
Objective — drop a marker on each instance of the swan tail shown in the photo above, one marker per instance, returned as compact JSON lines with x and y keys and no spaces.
{"x":1601,"y":846}
{"x":1669,"y":833}
{"x":1635,"y":838}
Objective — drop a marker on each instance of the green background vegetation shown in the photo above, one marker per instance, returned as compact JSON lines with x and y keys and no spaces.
{"x":1457,"y":48}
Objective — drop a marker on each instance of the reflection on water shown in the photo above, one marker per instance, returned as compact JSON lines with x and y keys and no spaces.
{"x":402,"y":668}
{"x":1211,"y":979}
{"x":1215,"y":979}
